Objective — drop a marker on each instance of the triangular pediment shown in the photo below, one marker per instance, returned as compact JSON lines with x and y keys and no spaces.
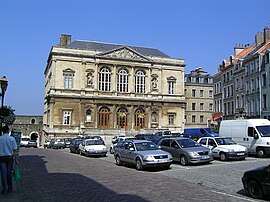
{"x":124,"y":53}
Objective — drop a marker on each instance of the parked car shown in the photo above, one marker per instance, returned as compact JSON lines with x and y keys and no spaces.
{"x":186,"y":150}
{"x":96,"y":137}
{"x":91,"y":147}
{"x":32,"y":143}
{"x":257,"y":182}
{"x":74,"y":145}
{"x":251,"y":133}
{"x":142,"y":153}
{"x":224,"y":148}
{"x":196,"y":133}
{"x":118,"y":140}
{"x":46,"y":143}
{"x":67,"y":142}
{"x":57,"y":144}
{"x":24,"y":141}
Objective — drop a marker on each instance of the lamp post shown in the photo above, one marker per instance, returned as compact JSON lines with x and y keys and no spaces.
{"x":4,"y":84}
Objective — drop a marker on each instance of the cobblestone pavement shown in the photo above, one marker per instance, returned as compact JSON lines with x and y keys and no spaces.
{"x":57,"y":175}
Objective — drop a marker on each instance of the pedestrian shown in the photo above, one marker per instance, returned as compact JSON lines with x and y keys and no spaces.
{"x":8,"y":147}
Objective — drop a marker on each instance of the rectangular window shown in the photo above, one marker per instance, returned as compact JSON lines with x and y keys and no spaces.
{"x":210,"y":93}
{"x":193,"y":106}
{"x":68,"y":81}
{"x":201,"y":119}
{"x":193,"y":93}
{"x":201,"y":80}
{"x":171,"y":87}
{"x":201,"y":106}
{"x":211,"y":107}
{"x":264,"y":80}
{"x":193,"y":119}
{"x":201,"y":93}
{"x":171,"y":118}
{"x":66,"y":117}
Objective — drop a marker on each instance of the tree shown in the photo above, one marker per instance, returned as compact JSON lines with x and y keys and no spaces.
{"x":7,"y":115}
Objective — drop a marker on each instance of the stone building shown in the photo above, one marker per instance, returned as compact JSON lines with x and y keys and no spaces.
{"x":244,"y":80}
{"x":199,"y":98}
{"x":29,"y":126}
{"x":101,"y":88}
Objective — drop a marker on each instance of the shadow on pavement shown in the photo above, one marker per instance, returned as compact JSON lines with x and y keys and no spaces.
{"x":39,"y":185}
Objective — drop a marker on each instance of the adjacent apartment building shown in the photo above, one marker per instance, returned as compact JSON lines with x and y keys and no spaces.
{"x":244,"y":81}
{"x":101,"y":88}
{"x":199,"y":98}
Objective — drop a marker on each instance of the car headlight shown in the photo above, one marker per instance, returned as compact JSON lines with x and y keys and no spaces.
{"x":230,"y":150}
{"x":193,"y":153}
{"x":148,"y":158}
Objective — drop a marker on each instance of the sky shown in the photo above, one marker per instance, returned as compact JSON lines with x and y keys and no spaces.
{"x":202,"y":32}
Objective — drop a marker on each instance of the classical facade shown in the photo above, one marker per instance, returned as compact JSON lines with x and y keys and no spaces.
{"x":94,"y":87}
{"x":199,"y":98}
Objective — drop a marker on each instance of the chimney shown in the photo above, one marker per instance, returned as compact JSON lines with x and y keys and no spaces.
{"x":65,"y":39}
{"x":259,"y":38}
{"x":266,"y":34}
{"x":238,"y":48}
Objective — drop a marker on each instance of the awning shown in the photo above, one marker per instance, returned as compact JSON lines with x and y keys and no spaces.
{"x":214,"y":119}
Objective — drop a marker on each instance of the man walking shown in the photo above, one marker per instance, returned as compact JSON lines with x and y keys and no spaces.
{"x":8,"y":147}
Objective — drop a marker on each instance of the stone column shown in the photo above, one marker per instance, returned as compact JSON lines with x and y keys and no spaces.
{"x":114,"y":119}
{"x":131,"y":84}
{"x":148,"y":81}
{"x":114,"y":79}
{"x":96,"y":77}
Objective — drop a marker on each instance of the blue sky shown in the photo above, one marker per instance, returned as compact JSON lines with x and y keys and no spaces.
{"x":203,"y":32}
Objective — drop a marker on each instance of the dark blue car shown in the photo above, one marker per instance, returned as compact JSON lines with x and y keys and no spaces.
{"x":257,"y":182}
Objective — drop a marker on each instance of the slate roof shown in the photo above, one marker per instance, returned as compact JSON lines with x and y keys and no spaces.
{"x":104,"y":47}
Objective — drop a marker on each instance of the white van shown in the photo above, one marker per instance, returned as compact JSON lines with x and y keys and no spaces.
{"x":251,"y":133}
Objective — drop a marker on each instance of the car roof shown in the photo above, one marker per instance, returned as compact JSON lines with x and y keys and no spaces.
{"x":137,"y":141}
{"x":175,"y":138}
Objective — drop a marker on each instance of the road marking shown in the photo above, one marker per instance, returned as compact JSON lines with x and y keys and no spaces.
{"x":238,"y":197}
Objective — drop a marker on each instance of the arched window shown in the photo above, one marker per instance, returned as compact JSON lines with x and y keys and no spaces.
{"x":122,"y":118}
{"x":105,"y":79}
{"x":140,"y":82}
{"x":104,"y":117}
{"x":122,"y":81}
{"x":33,"y":121}
{"x":139,"y":119}
{"x":88,"y":117}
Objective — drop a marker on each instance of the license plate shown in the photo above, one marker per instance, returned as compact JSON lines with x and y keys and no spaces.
{"x":240,"y":154}
{"x":205,"y":157}
{"x":162,"y":161}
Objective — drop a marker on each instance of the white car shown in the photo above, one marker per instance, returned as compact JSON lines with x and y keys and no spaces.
{"x":24,"y":141}
{"x":224,"y":148}
{"x":117,"y":140}
{"x":93,"y":147}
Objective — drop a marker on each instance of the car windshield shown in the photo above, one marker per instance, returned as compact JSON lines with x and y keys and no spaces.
{"x":264,"y":130}
{"x":144,"y":146}
{"x":94,"y":142}
{"x":209,"y":130}
{"x":224,"y":141}
{"x":78,"y":141}
{"x":25,"y":139}
{"x":167,"y":132}
{"x":185,"y":143}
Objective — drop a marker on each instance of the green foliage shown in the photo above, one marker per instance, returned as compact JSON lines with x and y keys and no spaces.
{"x":7,"y":115}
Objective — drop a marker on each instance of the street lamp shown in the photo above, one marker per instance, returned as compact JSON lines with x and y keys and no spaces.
{"x":4,"y":84}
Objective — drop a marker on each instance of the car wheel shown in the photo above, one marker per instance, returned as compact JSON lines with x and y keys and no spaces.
{"x":223,"y":156}
{"x":118,"y":161}
{"x":260,"y":153}
{"x":183,"y":160}
{"x":139,"y":164}
{"x":111,"y":151}
{"x":254,"y":189}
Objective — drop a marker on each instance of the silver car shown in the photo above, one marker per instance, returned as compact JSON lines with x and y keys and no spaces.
{"x":186,"y":150}
{"x":142,"y":153}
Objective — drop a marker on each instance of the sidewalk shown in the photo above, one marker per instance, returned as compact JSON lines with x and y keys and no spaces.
{"x":13,"y":196}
